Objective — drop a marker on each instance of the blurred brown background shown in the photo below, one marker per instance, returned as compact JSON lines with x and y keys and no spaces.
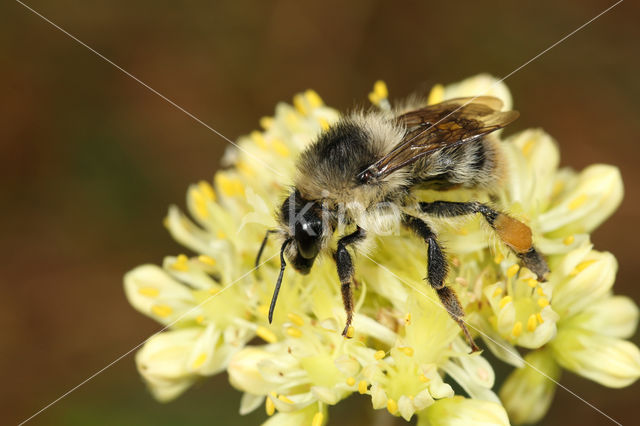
{"x":91,"y":160}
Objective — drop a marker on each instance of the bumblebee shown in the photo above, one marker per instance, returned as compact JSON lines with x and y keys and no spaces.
{"x":362,"y":173}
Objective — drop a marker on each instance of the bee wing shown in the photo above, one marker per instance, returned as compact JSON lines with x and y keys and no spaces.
{"x":438,"y":126}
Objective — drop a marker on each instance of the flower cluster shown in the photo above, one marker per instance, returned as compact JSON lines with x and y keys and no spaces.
{"x":404,"y":352}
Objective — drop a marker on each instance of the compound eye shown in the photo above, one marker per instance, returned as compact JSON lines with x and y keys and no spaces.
{"x":307,"y":235}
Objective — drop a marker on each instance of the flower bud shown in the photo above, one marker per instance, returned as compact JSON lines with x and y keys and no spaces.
{"x":528,"y":391}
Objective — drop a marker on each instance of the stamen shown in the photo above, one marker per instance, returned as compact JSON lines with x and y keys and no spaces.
{"x":323,"y":123}
{"x":199,"y":361}
{"x":505,"y":300}
{"x":540,"y":291}
{"x":207,"y":260}
{"x":266,"y":122}
{"x":296,"y":319}
{"x":379,"y":355}
{"x":436,"y":95}
{"x":207,"y":190}
{"x":181,"y":263}
{"x":298,"y":103}
{"x":263,"y":309}
{"x":539,"y":318}
{"x":408,"y":351}
{"x":350,"y":332}
{"x":513,"y":270}
{"x":581,"y":267}
{"x":392,"y":406}
{"x":283,"y":398}
{"x":517,"y":329}
{"x":577,"y":202}
{"x":267,"y":335}
{"x":423,"y":378}
{"x":258,"y":139}
{"x":569,"y":240}
{"x":270,"y":407}
{"x":497,"y":292}
{"x":200,"y":203}
{"x":532,"y":323}
{"x":380,"y":89}
{"x":294,"y":332}
{"x":149,"y":291}
{"x":379,"y":93}
{"x":245,"y":168}
{"x":499,"y":258}
{"x":532,"y":282}
{"x":543,"y":302}
{"x":229,"y":186}
{"x":162,"y":311}
{"x":351,"y":381}
{"x":280,"y":148}
{"x":362,"y":387}
{"x":314,"y":99}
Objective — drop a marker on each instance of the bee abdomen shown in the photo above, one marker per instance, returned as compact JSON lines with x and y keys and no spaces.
{"x":472,"y":165}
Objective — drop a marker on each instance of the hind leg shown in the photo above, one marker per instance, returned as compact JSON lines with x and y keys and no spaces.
{"x":515,"y":234}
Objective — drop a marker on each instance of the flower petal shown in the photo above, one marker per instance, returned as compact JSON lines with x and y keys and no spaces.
{"x":594,"y":196}
{"x":588,"y":281}
{"x":479,"y":85}
{"x":615,"y":316}
{"x":153,"y":292}
{"x":163,"y":362}
{"x":459,"y":411}
{"x":609,"y":361}
{"x":532,"y":158}
{"x":295,"y":418}
{"x":250,"y":402}
{"x":244,"y":373}
{"x":473,"y":373}
{"x":378,"y":397}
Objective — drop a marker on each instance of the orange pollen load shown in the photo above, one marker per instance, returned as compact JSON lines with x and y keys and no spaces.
{"x":514,"y":233}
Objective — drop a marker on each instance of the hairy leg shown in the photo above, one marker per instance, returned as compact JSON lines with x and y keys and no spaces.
{"x":437,"y":270}
{"x":345,"y":272}
{"x":515,"y":234}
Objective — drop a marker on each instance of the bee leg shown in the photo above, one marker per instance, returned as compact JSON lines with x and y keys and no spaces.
{"x":515,"y":234}
{"x":437,"y":270}
{"x":345,"y":272}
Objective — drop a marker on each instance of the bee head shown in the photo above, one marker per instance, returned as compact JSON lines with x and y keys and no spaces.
{"x":303,"y":223}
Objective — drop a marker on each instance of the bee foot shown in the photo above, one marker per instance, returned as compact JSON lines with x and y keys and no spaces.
{"x":536,"y":263}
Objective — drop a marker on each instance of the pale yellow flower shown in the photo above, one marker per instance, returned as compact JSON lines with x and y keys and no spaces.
{"x":405,"y":351}
{"x":592,"y":324}
{"x":459,"y":411}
